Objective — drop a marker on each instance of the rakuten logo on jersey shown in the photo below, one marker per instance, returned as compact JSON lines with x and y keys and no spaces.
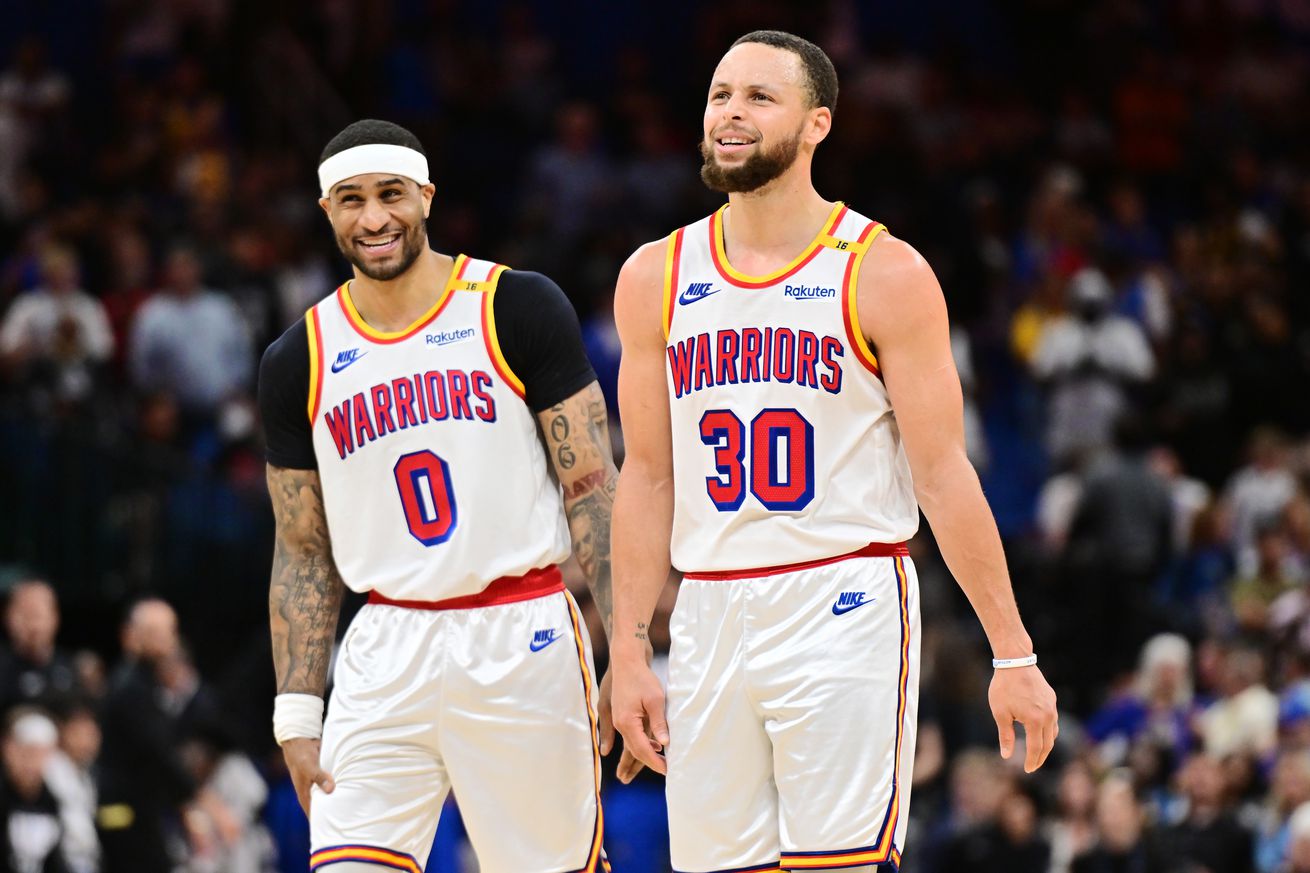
{"x":807,"y":292}
{"x":446,"y":337}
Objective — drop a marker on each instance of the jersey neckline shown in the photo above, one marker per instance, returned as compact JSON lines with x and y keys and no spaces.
{"x":372,"y":334}
{"x":744,"y":280}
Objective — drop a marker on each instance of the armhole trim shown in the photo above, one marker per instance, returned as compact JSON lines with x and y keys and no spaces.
{"x":672,"y":256}
{"x":315,"y":335}
{"x":488,"y":289}
{"x":850,"y":309}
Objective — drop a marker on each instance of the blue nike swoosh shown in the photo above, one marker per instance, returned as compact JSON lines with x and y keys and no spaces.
{"x":684,"y":299}
{"x":842,"y":610}
{"x":537,"y":648}
{"x":337,"y":366}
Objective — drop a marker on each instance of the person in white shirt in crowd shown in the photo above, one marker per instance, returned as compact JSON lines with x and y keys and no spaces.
{"x":1088,"y":357}
{"x":56,"y":336}
{"x":32,"y":832}
{"x":68,"y":775}
{"x":191,"y":341}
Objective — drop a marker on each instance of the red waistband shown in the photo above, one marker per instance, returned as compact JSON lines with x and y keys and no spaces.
{"x":507,"y":589}
{"x":872,"y":550}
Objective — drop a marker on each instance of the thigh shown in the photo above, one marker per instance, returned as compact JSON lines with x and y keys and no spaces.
{"x":723,"y":806}
{"x":834,"y":663}
{"x":518,"y":733}
{"x":379,"y":744}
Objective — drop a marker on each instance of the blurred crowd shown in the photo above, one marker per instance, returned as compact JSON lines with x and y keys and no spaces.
{"x":1115,"y":196}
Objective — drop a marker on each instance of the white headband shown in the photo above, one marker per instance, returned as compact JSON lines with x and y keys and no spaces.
{"x":372,"y":158}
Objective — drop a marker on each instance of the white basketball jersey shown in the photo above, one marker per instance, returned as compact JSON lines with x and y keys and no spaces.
{"x":434,"y":480}
{"x":785,"y":446}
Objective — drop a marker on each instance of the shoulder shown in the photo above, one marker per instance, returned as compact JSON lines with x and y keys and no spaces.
{"x":894,"y":263}
{"x":639,"y":291}
{"x":528,"y":285}
{"x":897,"y":288}
{"x":289,"y":351}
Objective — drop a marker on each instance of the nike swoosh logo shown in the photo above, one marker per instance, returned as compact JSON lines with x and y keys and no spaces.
{"x":838,"y":609}
{"x":537,"y":647}
{"x":684,"y":299}
{"x":338,"y":366}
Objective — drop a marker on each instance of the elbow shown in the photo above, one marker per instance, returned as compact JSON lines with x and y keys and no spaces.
{"x":938,"y":483}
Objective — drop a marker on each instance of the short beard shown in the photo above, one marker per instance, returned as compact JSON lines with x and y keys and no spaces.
{"x":413,"y":241}
{"x":754,"y":173}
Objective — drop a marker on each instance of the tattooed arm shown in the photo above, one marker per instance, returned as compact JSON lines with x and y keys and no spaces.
{"x":304,"y":597}
{"x":304,"y":603}
{"x":577,"y":439}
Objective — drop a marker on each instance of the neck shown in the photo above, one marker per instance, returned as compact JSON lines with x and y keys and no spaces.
{"x":397,"y":303}
{"x":782,"y":217}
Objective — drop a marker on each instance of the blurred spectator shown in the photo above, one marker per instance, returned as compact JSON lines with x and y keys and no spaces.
{"x":32,"y":838}
{"x":1011,"y":841}
{"x":1073,"y":831}
{"x":144,"y":783}
{"x":1121,"y":842}
{"x":68,"y":773}
{"x":1119,"y":541}
{"x":1258,"y":492}
{"x":1298,"y":854}
{"x":570,"y":179}
{"x":1253,"y":594}
{"x":1087,"y":358}
{"x":55,"y":336}
{"x":1245,"y":717}
{"x":1158,"y":708}
{"x":32,"y":668}
{"x":1208,"y":837}
{"x":1290,"y":789}
{"x":191,"y":341}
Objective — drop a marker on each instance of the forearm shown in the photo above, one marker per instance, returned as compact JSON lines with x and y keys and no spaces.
{"x":306,"y":590}
{"x":576,"y":435}
{"x":643,"y":525}
{"x":304,"y":602}
{"x":589,"y":505}
{"x":952,"y":499}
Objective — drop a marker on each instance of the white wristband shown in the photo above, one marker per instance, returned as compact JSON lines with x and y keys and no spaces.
{"x":297,"y":716}
{"x":1011,"y":663}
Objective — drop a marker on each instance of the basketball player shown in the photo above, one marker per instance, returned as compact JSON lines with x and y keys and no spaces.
{"x":787,"y":393}
{"x":405,"y":461}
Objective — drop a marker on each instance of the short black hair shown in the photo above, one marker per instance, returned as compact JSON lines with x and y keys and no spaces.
{"x":821,"y":75}
{"x":371,"y":131}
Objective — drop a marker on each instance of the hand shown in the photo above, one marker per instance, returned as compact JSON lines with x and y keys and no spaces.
{"x":639,"y":716}
{"x":1021,"y":694}
{"x":302,"y":760}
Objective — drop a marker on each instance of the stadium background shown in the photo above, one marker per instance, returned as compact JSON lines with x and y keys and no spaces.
{"x":1115,"y":196}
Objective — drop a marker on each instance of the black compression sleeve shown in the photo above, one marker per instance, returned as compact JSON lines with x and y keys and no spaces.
{"x":283,"y":397}
{"x":540,"y":338}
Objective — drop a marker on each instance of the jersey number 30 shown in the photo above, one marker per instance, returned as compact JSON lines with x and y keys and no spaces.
{"x":781,"y":459}
{"x":423,"y":480}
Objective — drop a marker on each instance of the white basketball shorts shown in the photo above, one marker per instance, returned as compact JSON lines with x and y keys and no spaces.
{"x":496,"y":702}
{"x":792,"y":704}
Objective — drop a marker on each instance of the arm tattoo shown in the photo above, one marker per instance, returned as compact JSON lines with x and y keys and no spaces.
{"x":577,"y":436}
{"x":305,"y":593}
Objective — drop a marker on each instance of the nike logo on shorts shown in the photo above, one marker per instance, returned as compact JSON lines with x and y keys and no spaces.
{"x":543,"y":638}
{"x":848,"y":600}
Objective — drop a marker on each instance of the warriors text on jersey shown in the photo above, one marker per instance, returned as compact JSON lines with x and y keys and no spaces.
{"x":785,"y":445}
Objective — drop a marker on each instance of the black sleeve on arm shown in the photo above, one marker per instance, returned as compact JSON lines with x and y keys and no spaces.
{"x":284,"y":400}
{"x":540,"y":338}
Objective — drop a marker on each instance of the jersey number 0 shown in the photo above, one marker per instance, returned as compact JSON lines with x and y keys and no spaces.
{"x":423,"y":480}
